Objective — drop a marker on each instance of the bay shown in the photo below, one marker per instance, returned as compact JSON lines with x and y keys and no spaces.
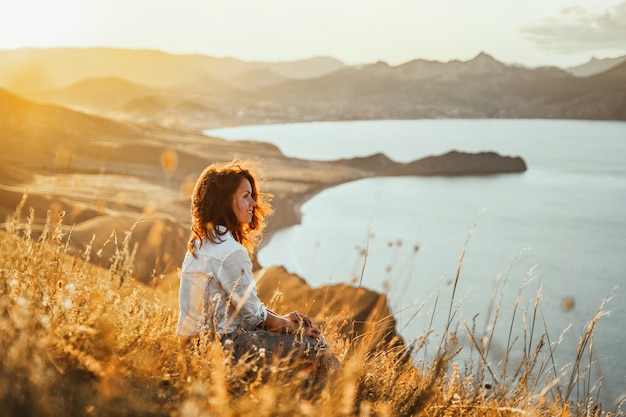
{"x":558,"y":229}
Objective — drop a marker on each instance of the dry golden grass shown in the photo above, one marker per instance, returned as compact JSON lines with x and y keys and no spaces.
{"x":81,"y":340}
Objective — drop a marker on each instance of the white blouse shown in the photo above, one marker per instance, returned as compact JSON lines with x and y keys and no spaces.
{"x":217,"y":290}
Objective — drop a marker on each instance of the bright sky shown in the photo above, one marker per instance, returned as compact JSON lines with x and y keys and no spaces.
{"x":528,"y":32}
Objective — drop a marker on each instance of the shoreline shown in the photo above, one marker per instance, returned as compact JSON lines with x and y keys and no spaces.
{"x":105,"y":183}
{"x":289,"y":214}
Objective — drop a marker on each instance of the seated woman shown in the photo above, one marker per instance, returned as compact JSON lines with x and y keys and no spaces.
{"x":218,"y":294}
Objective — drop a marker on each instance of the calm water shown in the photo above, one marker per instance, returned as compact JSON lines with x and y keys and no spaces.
{"x":559,"y":228}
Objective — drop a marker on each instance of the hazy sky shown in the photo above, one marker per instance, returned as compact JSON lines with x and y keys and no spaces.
{"x":529,"y":32}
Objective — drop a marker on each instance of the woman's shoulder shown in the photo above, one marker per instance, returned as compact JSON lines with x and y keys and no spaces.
{"x":231,"y":246}
{"x":221,"y":246}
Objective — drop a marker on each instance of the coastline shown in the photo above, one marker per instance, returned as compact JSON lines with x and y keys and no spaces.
{"x":287,"y":213}
{"x":118,"y":175}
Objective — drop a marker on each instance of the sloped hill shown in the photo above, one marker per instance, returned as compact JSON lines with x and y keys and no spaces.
{"x":117,"y":98}
{"x":32,"y":132}
{"x":100,"y":95}
{"x":600,"y":96}
{"x":614,"y":74}
{"x":149,"y":104}
{"x":32,"y":70}
{"x":595,"y":66}
{"x":306,"y":68}
{"x":254,"y":79}
{"x":208,"y":86}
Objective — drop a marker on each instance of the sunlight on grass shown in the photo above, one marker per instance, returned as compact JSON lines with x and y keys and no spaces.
{"x":78,"y":339}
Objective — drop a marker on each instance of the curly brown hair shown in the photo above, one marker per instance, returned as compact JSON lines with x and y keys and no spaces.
{"x":212,"y":206}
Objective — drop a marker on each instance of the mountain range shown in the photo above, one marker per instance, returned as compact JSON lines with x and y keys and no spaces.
{"x":199,"y":92}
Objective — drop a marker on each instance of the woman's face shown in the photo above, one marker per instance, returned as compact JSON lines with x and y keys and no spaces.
{"x":243,"y":203}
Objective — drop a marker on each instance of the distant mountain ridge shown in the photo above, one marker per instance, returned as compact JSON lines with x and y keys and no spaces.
{"x":99,"y":94}
{"x":32,"y":70}
{"x":595,"y":66}
{"x":478,"y":88}
{"x":421,"y":69}
{"x":200,"y":92}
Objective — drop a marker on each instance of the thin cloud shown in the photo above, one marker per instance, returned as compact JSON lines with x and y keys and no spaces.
{"x":576,"y":29}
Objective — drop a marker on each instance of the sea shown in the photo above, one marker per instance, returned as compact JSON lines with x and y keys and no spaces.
{"x":511,"y":256}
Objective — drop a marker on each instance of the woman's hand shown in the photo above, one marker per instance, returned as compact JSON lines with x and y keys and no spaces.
{"x":294,"y":323}
{"x":304,"y":324}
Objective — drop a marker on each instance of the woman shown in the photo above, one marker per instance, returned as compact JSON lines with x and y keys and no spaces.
{"x":218,"y":294}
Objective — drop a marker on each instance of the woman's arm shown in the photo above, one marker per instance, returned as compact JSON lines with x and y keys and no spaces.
{"x":236,"y":278}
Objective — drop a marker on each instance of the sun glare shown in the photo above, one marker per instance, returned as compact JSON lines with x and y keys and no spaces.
{"x":47,"y":24}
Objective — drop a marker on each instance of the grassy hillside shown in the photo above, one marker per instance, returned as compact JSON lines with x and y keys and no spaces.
{"x":78,"y":339}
